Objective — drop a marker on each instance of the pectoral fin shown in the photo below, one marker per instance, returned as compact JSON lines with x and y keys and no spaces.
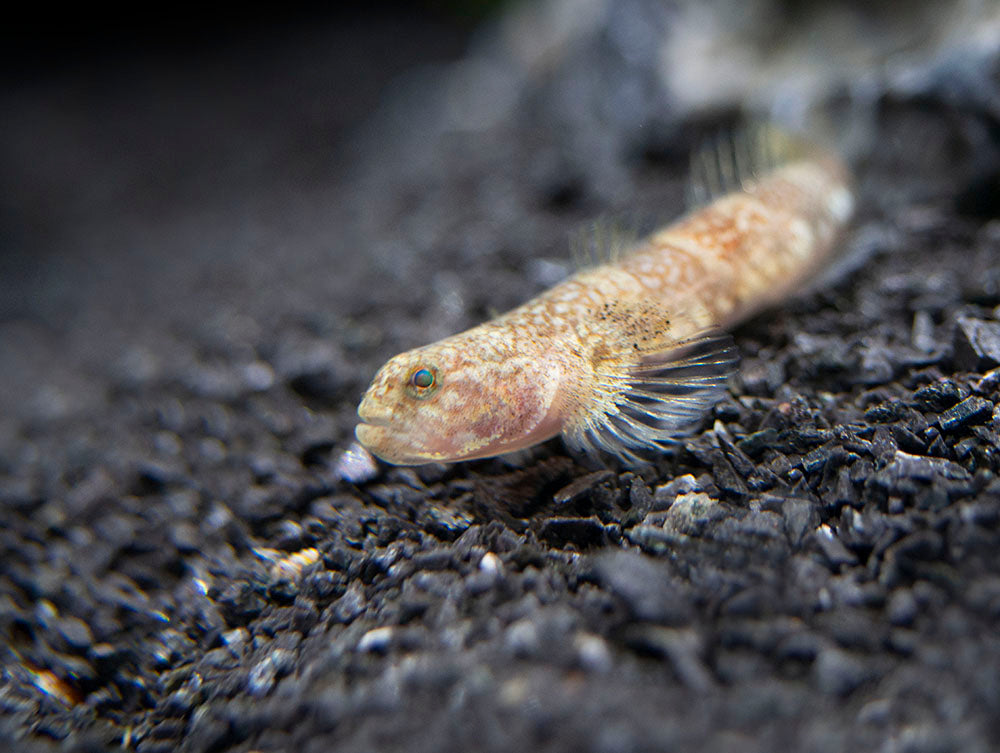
{"x":643,"y":402}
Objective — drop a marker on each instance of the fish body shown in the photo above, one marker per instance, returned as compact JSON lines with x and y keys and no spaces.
{"x":625,"y":356}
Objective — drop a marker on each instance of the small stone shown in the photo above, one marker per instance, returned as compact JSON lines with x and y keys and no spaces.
{"x":983,"y":512}
{"x":929,"y":738}
{"x":852,"y":625}
{"x":441,"y":559}
{"x":902,"y":608}
{"x":923,"y":468}
{"x":258,"y":376}
{"x":446,"y":523}
{"x":875,"y":366}
{"x":938,"y":395}
{"x":755,"y":524}
{"x":839,"y":672}
{"x":989,"y":383}
{"x":876,"y":711}
{"x":903,"y":641}
{"x":907,"y":440}
{"x":282,"y":591}
{"x":835,"y":551}
{"x":922,"y":332}
{"x":844,"y":492}
{"x":726,"y":477}
{"x":107,"y":658}
{"x":826,"y":456}
{"x":75,"y":633}
{"x":691,"y":513}
{"x":645,"y":585}
{"x":977,"y":344}
{"x":965,"y":449}
{"x":168,"y":443}
{"x":153,"y":477}
{"x":521,"y":638}
{"x":937,"y":447}
{"x":800,"y":516}
{"x":351,"y":604}
{"x":214,"y":382}
{"x":211,"y":451}
{"x":184,"y":536}
{"x":802,"y":439}
{"x":355,"y":465}
{"x":892,"y":410}
{"x":581,"y":487}
{"x":491,"y":564}
{"x":236,"y":639}
{"x":241,"y":603}
{"x":640,"y":503}
{"x":261,"y":678}
{"x":376,"y":640}
{"x":738,"y":459}
{"x":972,"y":410}
{"x":755,"y":444}
{"x":179,"y":703}
{"x":911,"y":557}
{"x":592,"y":653}
{"x":665,"y":495}
{"x":654,"y":539}
{"x":266,"y":672}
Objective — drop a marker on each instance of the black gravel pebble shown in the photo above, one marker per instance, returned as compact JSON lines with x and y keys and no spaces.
{"x":75,"y":633}
{"x":581,"y":487}
{"x":840,"y":672}
{"x":969,"y":411}
{"x":938,"y":395}
{"x":581,"y":532}
{"x":648,"y":590}
{"x":800,"y":517}
{"x":977,"y":344}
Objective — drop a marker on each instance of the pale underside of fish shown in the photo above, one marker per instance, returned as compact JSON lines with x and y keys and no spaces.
{"x":625,"y":357}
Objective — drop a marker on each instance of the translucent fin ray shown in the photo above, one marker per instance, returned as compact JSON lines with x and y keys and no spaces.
{"x":732,"y":160}
{"x":603,"y":241}
{"x":653,"y":402}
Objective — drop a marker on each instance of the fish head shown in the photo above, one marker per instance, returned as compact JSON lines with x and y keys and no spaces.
{"x":466,"y":397}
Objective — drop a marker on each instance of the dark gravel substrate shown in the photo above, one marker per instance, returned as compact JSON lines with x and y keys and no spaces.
{"x":198,"y":284}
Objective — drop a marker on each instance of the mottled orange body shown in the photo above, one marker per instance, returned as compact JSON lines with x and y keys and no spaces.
{"x":620,"y":357}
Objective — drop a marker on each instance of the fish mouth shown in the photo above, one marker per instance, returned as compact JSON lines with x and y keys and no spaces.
{"x":383,"y":423}
{"x":378,"y":437}
{"x":386,"y":436}
{"x":370,"y":416}
{"x":371,"y":436}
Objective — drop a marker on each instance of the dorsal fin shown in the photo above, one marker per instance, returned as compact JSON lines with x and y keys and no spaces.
{"x":732,"y":160}
{"x":603,"y":241}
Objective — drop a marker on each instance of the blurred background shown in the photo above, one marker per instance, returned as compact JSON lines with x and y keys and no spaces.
{"x":153,"y":162}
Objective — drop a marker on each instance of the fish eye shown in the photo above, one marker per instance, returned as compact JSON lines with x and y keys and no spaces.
{"x":422,"y":379}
